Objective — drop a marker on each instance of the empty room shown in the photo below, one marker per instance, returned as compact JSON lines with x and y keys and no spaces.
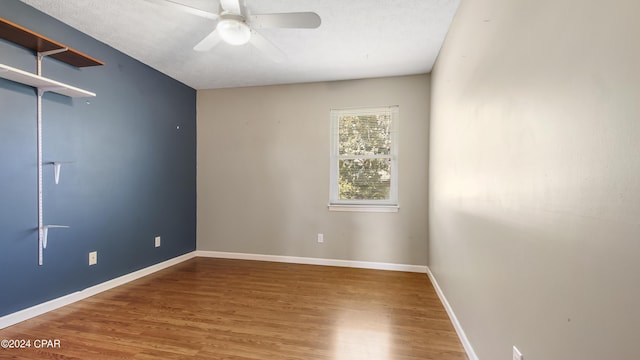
{"x":339,"y":180}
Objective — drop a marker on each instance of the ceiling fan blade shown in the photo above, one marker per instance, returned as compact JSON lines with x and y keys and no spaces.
{"x":304,"y":20}
{"x":267,"y":47}
{"x":188,"y":9}
{"x":208,"y":42}
{"x":232,"y":6}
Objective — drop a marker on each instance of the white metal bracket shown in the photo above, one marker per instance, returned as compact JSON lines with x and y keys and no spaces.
{"x":56,"y":169}
{"x":43,"y":231}
{"x":43,"y":240}
{"x":46,"y":232}
{"x":42,"y":54}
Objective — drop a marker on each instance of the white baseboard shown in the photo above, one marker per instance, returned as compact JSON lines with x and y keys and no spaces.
{"x":57,"y":303}
{"x":45,"y":307}
{"x":454,"y":320}
{"x":314,"y":261}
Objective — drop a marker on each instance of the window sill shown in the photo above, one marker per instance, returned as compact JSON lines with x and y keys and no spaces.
{"x":364,"y":208}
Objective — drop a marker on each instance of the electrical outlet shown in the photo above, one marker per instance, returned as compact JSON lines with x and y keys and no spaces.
{"x":93,"y":258}
{"x":157,"y":241}
{"x":516,"y":354}
{"x":320,"y":238}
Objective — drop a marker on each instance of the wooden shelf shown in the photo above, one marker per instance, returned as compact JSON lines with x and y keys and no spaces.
{"x":42,"y":83}
{"x":38,"y":43}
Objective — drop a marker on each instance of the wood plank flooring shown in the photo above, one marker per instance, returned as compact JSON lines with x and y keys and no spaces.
{"x":208,"y":308}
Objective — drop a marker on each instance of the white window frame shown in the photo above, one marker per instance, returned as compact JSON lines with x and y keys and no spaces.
{"x":387,"y":205}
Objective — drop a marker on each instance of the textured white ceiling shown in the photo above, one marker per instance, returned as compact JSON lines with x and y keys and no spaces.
{"x":357,"y":39}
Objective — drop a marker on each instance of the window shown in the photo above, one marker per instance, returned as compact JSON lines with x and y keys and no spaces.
{"x":364,"y":157}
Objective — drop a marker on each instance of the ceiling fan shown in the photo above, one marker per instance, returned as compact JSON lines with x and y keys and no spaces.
{"x":235,"y":25}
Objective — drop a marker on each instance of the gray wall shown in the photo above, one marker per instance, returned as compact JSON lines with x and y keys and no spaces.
{"x":263,"y":172}
{"x":133,"y":175}
{"x":535,"y":177}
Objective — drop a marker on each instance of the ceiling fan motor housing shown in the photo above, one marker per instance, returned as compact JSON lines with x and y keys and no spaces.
{"x":233,"y":29}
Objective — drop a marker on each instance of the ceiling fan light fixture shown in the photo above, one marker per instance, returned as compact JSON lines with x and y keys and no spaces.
{"x":234,"y":31}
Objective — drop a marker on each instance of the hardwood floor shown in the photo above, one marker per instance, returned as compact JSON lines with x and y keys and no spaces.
{"x":208,"y":308}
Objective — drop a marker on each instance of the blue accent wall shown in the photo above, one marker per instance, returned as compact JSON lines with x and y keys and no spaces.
{"x":133,"y":175}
